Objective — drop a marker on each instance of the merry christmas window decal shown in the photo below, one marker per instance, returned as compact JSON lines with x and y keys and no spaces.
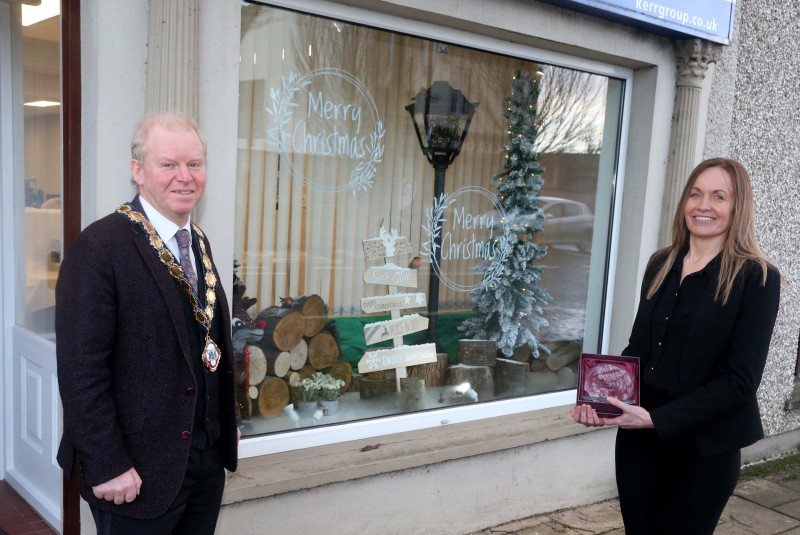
{"x":415,"y":222}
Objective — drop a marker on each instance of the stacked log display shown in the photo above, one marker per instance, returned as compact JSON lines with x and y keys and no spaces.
{"x":297,"y":342}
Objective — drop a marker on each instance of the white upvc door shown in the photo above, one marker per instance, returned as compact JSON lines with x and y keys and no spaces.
{"x":36,"y":425}
{"x":30,"y":251}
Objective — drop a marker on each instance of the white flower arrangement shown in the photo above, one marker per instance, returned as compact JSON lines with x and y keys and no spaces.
{"x":318,"y":386}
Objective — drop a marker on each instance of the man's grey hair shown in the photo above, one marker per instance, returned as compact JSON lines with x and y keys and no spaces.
{"x":168,"y":121}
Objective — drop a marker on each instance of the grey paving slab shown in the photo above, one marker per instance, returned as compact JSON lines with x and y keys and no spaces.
{"x":597,"y":518}
{"x":792,"y":509}
{"x":517,"y":526}
{"x":765,"y":492}
{"x":728,"y":528}
{"x":756,"y":518}
{"x":778,"y":475}
{"x":551,"y":528}
{"x":789,"y":481}
{"x":765,"y":505}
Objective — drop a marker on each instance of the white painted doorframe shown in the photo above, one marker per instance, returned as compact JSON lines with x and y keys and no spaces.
{"x":30,"y":405}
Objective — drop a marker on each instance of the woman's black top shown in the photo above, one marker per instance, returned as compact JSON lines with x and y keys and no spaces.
{"x":702,"y":361}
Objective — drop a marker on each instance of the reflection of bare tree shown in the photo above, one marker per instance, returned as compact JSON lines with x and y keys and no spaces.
{"x":571,"y":105}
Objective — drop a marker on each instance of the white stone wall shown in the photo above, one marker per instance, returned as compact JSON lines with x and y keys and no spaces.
{"x":449,"y":498}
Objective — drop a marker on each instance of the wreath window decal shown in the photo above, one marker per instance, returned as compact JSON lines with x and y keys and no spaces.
{"x":493,"y":270}
{"x":283,"y":100}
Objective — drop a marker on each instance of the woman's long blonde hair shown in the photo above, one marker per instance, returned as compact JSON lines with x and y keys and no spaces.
{"x":740,"y":243}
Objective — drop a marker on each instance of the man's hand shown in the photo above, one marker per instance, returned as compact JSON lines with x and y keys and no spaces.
{"x":122,"y":489}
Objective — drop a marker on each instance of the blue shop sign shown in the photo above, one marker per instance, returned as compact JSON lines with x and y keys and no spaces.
{"x":707,"y":19}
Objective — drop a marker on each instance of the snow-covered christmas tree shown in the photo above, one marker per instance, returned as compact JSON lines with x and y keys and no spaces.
{"x":509,"y":306}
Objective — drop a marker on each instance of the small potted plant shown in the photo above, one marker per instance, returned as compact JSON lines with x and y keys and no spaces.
{"x":330,"y":389}
{"x":306,"y":392}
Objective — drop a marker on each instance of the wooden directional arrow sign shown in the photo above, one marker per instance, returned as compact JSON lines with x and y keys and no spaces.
{"x":376,"y":248}
{"x":386,"y":330}
{"x":391,"y":275}
{"x":386,"y":359}
{"x":391,"y":302}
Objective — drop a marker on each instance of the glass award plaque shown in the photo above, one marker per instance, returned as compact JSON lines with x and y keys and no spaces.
{"x":600,"y":376}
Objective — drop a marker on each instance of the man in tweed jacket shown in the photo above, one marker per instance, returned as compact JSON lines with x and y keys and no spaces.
{"x":149,"y":411}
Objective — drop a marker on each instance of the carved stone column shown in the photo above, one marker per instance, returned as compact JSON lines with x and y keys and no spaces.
{"x":692,"y":59}
{"x":172,"y":56}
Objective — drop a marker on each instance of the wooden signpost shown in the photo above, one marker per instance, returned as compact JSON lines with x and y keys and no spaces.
{"x":393,"y":302}
{"x":387,"y":330}
{"x":389,"y":245}
{"x":386,"y":359}
{"x":392,"y":276}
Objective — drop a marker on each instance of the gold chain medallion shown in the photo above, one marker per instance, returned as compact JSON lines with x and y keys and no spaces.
{"x":204,"y":315}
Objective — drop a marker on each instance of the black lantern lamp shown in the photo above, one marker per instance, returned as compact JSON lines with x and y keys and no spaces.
{"x":441,"y":117}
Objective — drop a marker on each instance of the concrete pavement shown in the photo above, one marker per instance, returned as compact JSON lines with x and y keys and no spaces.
{"x":766,"y":502}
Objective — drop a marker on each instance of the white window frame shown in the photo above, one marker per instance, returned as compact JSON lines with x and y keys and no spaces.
{"x":385,"y":425}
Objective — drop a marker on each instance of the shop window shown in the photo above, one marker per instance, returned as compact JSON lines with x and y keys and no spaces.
{"x":342,"y":221}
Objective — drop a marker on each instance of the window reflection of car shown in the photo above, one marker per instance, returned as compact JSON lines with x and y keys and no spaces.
{"x":567,"y":222}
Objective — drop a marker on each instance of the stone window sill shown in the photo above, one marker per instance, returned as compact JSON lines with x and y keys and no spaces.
{"x":279,"y":473}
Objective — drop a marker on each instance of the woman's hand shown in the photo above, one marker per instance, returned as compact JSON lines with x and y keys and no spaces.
{"x":632,"y":417}
{"x":586,"y":415}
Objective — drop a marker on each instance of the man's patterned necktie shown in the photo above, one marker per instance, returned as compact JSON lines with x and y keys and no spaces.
{"x":185,"y":244}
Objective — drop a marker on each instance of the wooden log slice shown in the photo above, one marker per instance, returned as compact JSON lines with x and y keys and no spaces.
{"x":323,"y":351}
{"x":434,"y":373}
{"x":273,"y":396}
{"x":543,"y":381}
{"x":538,"y":365}
{"x":563,"y":354}
{"x":299,"y":355}
{"x":522,"y":353}
{"x":355,"y":382}
{"x":344,"y":371}
{"x":292,"y":378}
{"x":372,"y":388}
{"x":510,"y":377}
{"x":306,"y":371}
{"x":413,"y":390}
{"x":477,"y":352}
{"x":313,"y":309}
{"x":257,"y":364}
{"x":278,"y":362}
{"x":283,"y":328}
{"x":478,"y":377}
{"x":566,"y":377}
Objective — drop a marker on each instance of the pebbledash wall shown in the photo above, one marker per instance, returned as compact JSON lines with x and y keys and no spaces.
{"x":471,"y":472}
{"x":753,"y":117}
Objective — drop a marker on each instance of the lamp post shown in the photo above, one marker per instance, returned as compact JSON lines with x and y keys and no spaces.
{"x":441,"y":117}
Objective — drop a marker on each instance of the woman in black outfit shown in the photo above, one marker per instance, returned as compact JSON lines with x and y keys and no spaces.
{"x":706,"y":313}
